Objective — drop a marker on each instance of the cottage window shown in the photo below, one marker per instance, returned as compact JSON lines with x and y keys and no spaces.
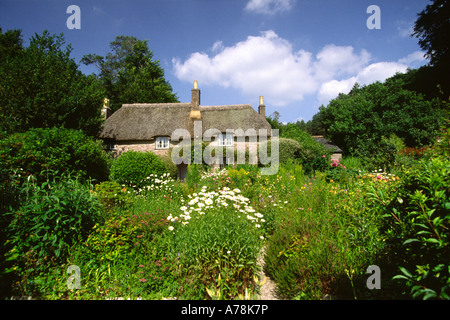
{"x":162,"y":142}
{"x":225,"y":139}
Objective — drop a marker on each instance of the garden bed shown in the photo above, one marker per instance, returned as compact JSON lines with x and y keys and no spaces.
{"x":203,"y":239}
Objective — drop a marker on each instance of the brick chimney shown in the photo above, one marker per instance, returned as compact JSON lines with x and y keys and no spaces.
{"x":195,"y":96}
{"x":261,"y":107}
{"x":195,"y":113}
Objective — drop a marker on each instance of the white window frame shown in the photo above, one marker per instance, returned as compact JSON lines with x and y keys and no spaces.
{"x":162,"y":143}
{"x":226,"y":140}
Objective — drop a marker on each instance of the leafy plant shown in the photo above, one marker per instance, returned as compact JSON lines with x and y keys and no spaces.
{"x":53,"y":216}
{"x":420,"y":227}
{"x":112,"y":195}
{"x":57,"y":149}
{"x":132,"y":168}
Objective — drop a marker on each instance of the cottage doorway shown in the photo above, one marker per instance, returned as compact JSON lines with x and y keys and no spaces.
{"x":182,"y":171}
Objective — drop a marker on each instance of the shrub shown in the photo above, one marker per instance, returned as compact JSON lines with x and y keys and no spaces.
{"x":385,"y":154}
{"x":53,"y":216}
{"x":171,"y":167}
{"x":132,"y":168}
{"x":417,"y":227}
{"x":288,"y":149}
{"x":311,"y":154}
{"x":302,"y":149}
{"x":126,"y":255}
{"x":56,"y":149}
{"x":112,"y":195}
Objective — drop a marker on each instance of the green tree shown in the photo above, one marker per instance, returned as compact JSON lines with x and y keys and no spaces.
{"x":129,"y":75}
{"x":10,"y":44}
{"x":432,"y":29}
{"x":56,"y":149}
{"x":41,"y":86}
{"x":358,"y":121}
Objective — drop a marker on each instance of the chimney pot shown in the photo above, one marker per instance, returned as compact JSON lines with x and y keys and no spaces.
{"x":106,"y":110}
{"x":262,"y":107}
{"x":195,"y":96}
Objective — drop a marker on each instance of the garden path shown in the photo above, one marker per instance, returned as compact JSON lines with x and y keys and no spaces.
{"x":268,"y":290}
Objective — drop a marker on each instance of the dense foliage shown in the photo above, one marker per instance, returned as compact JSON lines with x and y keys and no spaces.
{"x":58,"y":149}
{"x":133,"y":168}
{"x":432,"y":28}
{"x":53,"y":216}
{"x":128,"y":74}
{"x":41,"y":86}
{"x":299,"y":146}
{"x":201,"y":239}
{"x":418,"y":223}
{"x":357,"y":122}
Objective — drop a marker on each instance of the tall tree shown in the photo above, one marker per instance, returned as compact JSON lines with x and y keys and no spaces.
{"x":358,"y":121}
{"x":10,"y":44}
{"x":41,"y":86}
{"x":129,"y":74}
{"x":432,"y":28}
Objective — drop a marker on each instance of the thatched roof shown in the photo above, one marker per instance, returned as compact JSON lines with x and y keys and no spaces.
{"x":146,"y":121}
{"x":233,"y":117}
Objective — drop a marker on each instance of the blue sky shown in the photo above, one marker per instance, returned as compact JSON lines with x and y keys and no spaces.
{"x":298,"y":54}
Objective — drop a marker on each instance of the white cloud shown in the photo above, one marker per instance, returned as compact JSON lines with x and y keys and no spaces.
{"x":414,"y":58}
{"x":335,"y":60}
{"x":264,"y":65}
{"x":379,"y":71}
{"x":268,"y":65}
{"x":269,"y":6}
{"x":330,"y":90}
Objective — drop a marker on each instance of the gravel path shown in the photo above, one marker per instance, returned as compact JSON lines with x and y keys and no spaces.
{"x":268,"y":291}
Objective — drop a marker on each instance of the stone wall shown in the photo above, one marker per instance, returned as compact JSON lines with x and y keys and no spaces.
{"x":142,"y":146}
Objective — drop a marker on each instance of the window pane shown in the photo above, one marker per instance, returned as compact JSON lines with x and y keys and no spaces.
{"x":225,"y":139}
{"x":162,"y":143}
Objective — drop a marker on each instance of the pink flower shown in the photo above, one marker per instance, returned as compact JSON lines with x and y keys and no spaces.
{"x":143,"y":280}
{"x":141,"y":266}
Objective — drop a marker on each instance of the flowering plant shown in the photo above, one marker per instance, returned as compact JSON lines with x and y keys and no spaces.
{"x":217,"y":233}
{"x":200,"y":203}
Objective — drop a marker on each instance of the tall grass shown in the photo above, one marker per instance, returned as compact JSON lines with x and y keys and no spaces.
{"x":324,"y":237}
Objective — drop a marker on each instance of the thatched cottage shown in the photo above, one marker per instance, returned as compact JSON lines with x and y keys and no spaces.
{"x":156,"y":126}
